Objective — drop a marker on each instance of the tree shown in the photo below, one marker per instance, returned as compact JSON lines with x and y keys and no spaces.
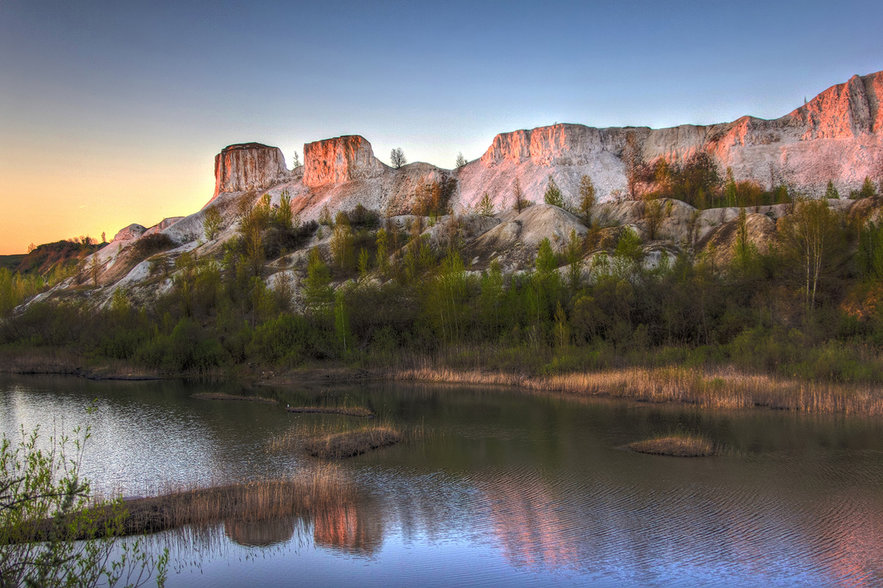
{"x":282,"y":216}
{"x":831,"y":192}
{"x":553,"y":194}
{"x":811,"y":235}
{"x":461,"y":161}
{"x":867,"y":190}
{"x":520,"y":203}
{"x":486,"y":206}
{"x":52,"y":533}
{"x":634,"y":162}
{"x":586,"y":198}
{"x":318,"y":292}
{"x":211,"y":223}
{"x":397,"y":157}
{"x":380,"y":257}
{"x":295,"y":160}
{"x":730,"y":191}
{"x":574,"y":255}
{"x":343,"y":244}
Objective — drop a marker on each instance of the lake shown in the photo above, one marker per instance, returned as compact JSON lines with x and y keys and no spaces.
{"x":491,"y":486}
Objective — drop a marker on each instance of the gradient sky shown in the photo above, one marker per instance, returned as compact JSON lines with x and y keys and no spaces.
{"x":111,"y":111}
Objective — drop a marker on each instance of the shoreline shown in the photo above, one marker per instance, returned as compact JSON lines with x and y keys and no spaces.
{"x":722,"y":388}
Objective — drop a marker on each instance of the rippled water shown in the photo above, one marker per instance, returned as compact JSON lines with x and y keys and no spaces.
{"x":495,"y":487}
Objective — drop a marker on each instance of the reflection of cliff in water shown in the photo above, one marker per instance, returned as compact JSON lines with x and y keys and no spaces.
{"x":350,"y":527}
{"x":347,"y":526}
{"x":260,"y":533}
{"x":528,"y":523}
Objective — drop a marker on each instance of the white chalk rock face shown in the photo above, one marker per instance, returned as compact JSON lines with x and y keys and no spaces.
{"x":248,"y":166}
{"x":339,"y":160}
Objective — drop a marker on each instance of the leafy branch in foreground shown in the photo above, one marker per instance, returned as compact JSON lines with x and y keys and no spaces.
{"x":52,"y":533}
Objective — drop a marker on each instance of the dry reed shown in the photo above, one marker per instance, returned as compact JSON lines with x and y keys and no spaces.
{"x":675,"y":445}
{"x":709,"y":389}
{"x":351,"y":443}
{"x":353,"y":411}
{"x":259,"y":500}
{"x":225,"y":396}
{"x":252,"y":501}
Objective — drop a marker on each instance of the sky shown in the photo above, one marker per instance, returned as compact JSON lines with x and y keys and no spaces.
{"x":111,"y":112}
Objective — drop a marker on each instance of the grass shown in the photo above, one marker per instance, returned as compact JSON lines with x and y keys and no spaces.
{"x":727,"y":388}
{"x":675,"y":445}
{"x":354,"y":411}
{"x":306,"y":496}
{"x":225,"y":396}
{"x":351,"y":443}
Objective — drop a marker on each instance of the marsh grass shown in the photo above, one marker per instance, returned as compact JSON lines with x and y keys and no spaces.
{"x":679,"y":445}
{"x":353,"y":411}
{"x":351,"y":443}
{"x":259,"y":500}
{"x":242,"y":397}
{"x":726,"y":389}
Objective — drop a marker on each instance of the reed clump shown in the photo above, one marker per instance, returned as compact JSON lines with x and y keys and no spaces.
{"x":351,"y":443}
{"x":676,"y":446}
{"x":353,"y":411}
{"x":226,"y":396}
{"x":727,"y":389}
{"x":258,"y":500}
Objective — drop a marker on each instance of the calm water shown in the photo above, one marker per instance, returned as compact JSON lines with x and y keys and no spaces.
{"x":493,"y":487}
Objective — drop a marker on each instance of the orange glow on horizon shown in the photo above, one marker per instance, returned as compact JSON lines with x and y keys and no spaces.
{"x":43,"y":203}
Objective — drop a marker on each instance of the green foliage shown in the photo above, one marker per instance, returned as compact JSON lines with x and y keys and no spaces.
{"x":486,"y":206}
{"x":318,"y":293}
{"x":870,"y":252}
{"x":381,"y":256}
{"x":868,"y":190}
{"x":149,"y":245}
{"x":211,"y":223}
{"x":15,"y":288}
{"x":628,"y":246}
{"x":284,"y":339}
{"x":51,"y":531}
{"x":343,"y":245}
{"x":519,"y":202}
{"x":813,"y":240}
{"x":461,"y":161}
{"x":547,"y":261}
{"x":586,"y":199}
{"x":831,"y":192}
{"x":282,"y":217}
{"x":553,"y":194}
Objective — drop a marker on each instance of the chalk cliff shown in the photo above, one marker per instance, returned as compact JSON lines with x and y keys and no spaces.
{"x":339,"y":160}
{"x":836,"y":136}
{"x":248,"y":166}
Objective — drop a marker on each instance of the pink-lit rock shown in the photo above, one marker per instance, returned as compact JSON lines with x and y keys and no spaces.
{"x":339,"y":160}
{"x":248,"y":166}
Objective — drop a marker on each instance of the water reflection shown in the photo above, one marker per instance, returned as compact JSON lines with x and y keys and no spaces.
{"x":508,"y":488}
{"x":349,"y":527}
{"x":260,"y":533}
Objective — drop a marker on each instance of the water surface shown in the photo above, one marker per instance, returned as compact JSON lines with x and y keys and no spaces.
{"x":493,"y":486}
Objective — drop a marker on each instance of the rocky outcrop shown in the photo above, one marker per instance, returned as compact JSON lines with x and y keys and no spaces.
{"x":248,"y":166}
{"x":133,"y":231}
{"x":339,"y":160}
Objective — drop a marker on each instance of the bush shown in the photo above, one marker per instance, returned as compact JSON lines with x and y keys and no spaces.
{"x":46,"y":512}
{"x":152,"y":244}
